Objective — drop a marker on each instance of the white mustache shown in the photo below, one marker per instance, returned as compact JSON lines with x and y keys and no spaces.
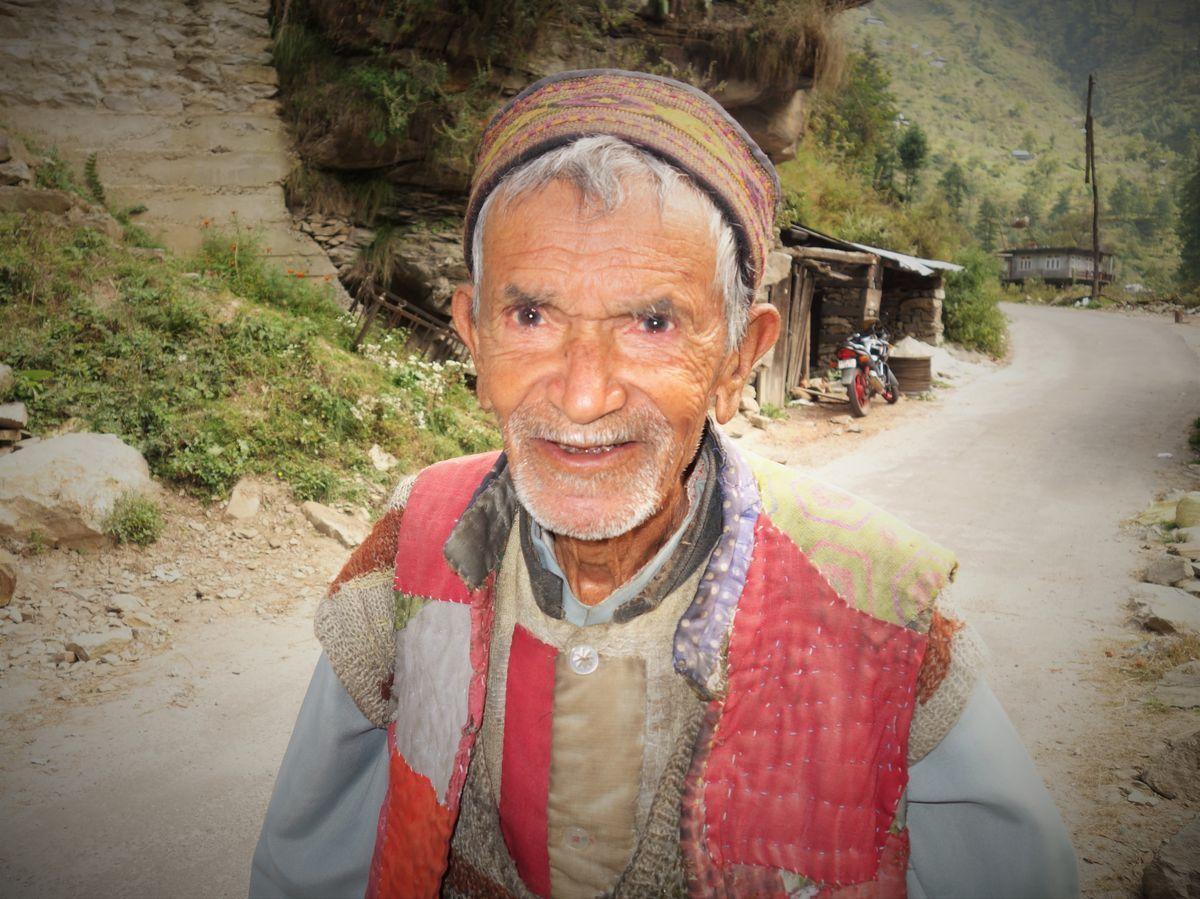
{"x":543,"y":422}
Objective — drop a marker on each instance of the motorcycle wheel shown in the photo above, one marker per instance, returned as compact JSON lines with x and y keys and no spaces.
{"x":859,"y":392}
{"x":892,"y":393}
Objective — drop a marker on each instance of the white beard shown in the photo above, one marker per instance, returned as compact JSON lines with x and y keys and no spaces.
{"x":636,"y":495}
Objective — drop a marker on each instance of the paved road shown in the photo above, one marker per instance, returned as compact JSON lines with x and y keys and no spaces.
{"x":1027,"y":474}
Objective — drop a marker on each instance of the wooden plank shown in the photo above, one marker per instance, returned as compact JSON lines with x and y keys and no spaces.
{"x":845,"y":256}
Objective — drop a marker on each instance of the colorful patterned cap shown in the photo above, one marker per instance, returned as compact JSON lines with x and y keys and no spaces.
{"x":676,"y":122}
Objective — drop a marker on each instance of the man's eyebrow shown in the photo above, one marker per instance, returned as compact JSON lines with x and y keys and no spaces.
{"x":518,"y":297}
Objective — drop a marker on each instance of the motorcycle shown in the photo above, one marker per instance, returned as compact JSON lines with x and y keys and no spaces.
{"x":862,"y":362}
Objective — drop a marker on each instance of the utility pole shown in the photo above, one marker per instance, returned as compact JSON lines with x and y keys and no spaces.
{"x":1089,"y":177}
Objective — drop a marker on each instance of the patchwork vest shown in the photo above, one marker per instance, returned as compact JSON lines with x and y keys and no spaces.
{"x":808,"y":650}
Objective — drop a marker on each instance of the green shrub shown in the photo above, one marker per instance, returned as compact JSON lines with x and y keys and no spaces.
{"x":970,"y":311}
{"x":134,"y":518}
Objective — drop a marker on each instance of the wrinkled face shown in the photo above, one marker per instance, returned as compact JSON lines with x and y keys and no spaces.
{"x":600,"y":346}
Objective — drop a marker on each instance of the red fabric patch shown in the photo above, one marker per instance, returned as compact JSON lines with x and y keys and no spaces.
{"x":413,"y":839}
{"x":808,"y":761}
{"x":525,"y":769}
{"x":437,"y":501}
{"x":891,"y":881}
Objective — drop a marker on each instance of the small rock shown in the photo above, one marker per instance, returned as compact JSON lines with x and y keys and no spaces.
{"x":1191,"y":585}
{"x":165,"y":574}
{"x":381,"y":458}
{"x":39,"y":761}
{"x":1167,"y":570}
{"x":15,"y":172}
{"x":840,"y":420}
{"x":1161,"y":512}
{"x":123,"y":604}
{"x":106,"y":688}
{"x":1180,"y":687}
{"x":1164,"y":610}
{"x":749,"y":405}
{"x":244,"y":501}
{"x":350,"y":532}
{"x":110,"y":658}
{"x":854,"y":429}
{"x":140,"y":618}
{"x":1174,"y":872}
{"x":1141,"y":797}
{"x":65,"y":656}
{"x":759,"y":421}
{"x":1187,"y":535}
{"x":92,"y":645}
{"x":1175,"y":771}
{"x":1187,"y":550}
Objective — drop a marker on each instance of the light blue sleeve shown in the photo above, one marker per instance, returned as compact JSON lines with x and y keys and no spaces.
{"x":319,"y":834}
{"x":981,"y":821}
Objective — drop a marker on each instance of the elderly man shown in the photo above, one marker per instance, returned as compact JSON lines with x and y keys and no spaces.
{"x":624,"y":658}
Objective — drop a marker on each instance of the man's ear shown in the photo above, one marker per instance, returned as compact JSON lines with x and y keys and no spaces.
{"x":463,"y":317}
{"x":762,"y":330}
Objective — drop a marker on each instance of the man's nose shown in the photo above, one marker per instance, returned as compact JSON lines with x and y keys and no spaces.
{"x":589,"y":385}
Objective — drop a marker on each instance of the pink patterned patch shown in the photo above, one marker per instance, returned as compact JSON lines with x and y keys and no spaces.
{"x":808,"y":761}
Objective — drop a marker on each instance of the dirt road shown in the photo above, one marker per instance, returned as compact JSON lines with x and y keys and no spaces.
{"x":158,"y":788}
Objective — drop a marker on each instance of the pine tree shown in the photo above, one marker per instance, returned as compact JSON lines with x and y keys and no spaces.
{"x":913,"y":150}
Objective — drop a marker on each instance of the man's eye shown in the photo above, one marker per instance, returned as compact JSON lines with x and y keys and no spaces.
{"x":654,"y":323}
{"x":528,"y":316}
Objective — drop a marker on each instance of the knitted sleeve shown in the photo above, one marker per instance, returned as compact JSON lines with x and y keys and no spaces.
{"x":954,"y":661}
{"x":355,"y":620}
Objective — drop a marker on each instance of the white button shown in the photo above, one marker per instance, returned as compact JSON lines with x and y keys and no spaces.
{"x":577,"y":838}
{"x":583,"y":659}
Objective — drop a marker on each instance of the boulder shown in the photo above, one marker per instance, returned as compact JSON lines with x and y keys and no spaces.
{"x":1187,"y":535}
{"x":244,"y":501}
{"x":1175,"y":772}
{"x":1187,"y":550}
{"x":749,"y":404}
{"x":1180,"y":687}
{"x":15,"y":171}
{"x":1187,"y":513}
{"x":30,"y":199}
{"x":93,"y":645}
{"x":1164,"y":610}
{"x":759,"y":421}
{"x":64,"y":487}
{"x":1174,"y":872}
{"x":13,"y":415}
{"x":6,"y":380}
{"x":349,"y":532}
{"x":1167,"y":570}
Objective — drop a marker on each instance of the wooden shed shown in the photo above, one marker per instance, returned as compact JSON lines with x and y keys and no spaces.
{"x":827,"y":289}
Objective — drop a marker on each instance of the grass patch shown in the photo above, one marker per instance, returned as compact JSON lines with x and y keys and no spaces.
{"x":771,"y":411}
{"x":1162,"y":654}
{"x":135,"y":518}
{"x":217,"y":366}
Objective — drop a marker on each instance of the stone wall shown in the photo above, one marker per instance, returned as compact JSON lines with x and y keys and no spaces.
{"x":841,"y":315}
{"x":914,"y":310}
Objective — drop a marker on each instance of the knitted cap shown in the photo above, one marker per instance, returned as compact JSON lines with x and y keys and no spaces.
{"x":676,"y":122}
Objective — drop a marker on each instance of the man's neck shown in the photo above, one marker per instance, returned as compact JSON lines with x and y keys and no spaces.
{"x":595,"y":568}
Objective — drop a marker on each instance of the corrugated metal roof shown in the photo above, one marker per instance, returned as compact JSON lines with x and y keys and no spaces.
{"x":908,"y":263}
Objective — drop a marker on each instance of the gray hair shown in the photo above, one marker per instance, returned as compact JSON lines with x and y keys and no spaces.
{"x":599,"y":166}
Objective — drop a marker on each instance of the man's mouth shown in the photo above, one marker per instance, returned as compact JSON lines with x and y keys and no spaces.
{"x":597,"y":450}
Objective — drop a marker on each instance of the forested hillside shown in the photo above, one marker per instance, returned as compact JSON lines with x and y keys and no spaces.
{"x":998,"y":89}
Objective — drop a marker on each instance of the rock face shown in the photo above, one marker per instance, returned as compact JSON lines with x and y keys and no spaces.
{"x":349,"y":532}
{"x":63,"y":487}
{"x":1174,"y":872}
{"x":1175,"y":772}
{"x":175,"y":98}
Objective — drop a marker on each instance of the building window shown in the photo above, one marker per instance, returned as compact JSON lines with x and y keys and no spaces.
{"x":1024,"y":264}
